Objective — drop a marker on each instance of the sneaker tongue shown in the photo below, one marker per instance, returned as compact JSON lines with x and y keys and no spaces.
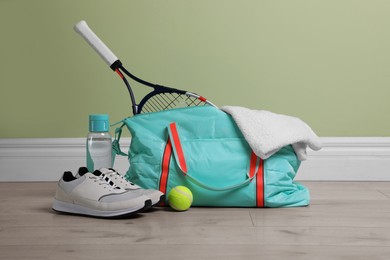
{"x":82,"y":171}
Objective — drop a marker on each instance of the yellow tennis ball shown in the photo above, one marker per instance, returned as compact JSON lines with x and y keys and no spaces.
{"x":180,"y":198}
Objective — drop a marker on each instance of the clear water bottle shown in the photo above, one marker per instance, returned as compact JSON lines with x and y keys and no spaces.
{"x":99,"y":148}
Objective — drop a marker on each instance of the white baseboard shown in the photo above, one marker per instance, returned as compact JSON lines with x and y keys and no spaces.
{"x":341,"y":159}
{"x":348,"y":159}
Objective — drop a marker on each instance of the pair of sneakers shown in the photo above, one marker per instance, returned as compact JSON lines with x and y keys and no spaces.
{"x":103,"y":193}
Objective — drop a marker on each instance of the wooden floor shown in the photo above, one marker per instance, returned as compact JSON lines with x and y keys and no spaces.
{"x":345,"y":221}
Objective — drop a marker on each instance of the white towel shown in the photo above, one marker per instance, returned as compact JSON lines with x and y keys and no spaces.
{"x":267,"y":132}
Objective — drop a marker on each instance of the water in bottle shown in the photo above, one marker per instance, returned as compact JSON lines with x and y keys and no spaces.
{"x":99,"y":148}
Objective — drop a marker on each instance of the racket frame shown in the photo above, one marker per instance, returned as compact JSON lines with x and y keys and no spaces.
{"x":116,"y":65}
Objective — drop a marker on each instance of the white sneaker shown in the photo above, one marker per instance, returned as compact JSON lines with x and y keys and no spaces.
{"x":93,"y":196}
{"x":155,"y":195}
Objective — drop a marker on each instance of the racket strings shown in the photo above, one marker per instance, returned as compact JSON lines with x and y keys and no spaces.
{"x":164,"y":101}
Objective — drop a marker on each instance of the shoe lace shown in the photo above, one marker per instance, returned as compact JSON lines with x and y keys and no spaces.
{"x":117,"y":176}
{"x":105,"y":180}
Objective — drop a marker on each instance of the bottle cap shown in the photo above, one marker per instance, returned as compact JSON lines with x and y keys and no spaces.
{"x":98,"y":123}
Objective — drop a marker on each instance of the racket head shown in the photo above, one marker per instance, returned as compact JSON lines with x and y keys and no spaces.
{"x":164,"y":98}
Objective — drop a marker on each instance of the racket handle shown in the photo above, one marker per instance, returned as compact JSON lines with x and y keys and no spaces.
{"x":89,"y":36}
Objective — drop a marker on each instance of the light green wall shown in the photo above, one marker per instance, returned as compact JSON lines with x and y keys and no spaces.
{"x":327,"y":62}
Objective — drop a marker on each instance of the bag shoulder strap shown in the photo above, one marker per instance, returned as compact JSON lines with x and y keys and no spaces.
{"x":116,"y":148}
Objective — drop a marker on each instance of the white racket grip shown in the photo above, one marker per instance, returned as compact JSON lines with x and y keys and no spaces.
{"x":107,"y":55}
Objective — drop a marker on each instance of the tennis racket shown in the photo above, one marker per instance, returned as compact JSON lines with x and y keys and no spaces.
{"x":160,"y":98}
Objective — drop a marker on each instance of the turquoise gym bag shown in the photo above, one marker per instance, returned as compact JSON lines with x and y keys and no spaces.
{"x":203,"y":149}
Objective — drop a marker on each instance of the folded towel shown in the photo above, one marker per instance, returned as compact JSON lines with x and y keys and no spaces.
{"x":267,"y":132}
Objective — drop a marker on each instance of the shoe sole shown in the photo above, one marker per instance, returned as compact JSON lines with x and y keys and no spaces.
{"x":155,"y":200}
{"x":70,"y":208}
{"x":162,"y":199}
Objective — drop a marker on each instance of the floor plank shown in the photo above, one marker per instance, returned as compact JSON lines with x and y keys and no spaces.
{"x":207,"y":252}
{"x":346,"y":220}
